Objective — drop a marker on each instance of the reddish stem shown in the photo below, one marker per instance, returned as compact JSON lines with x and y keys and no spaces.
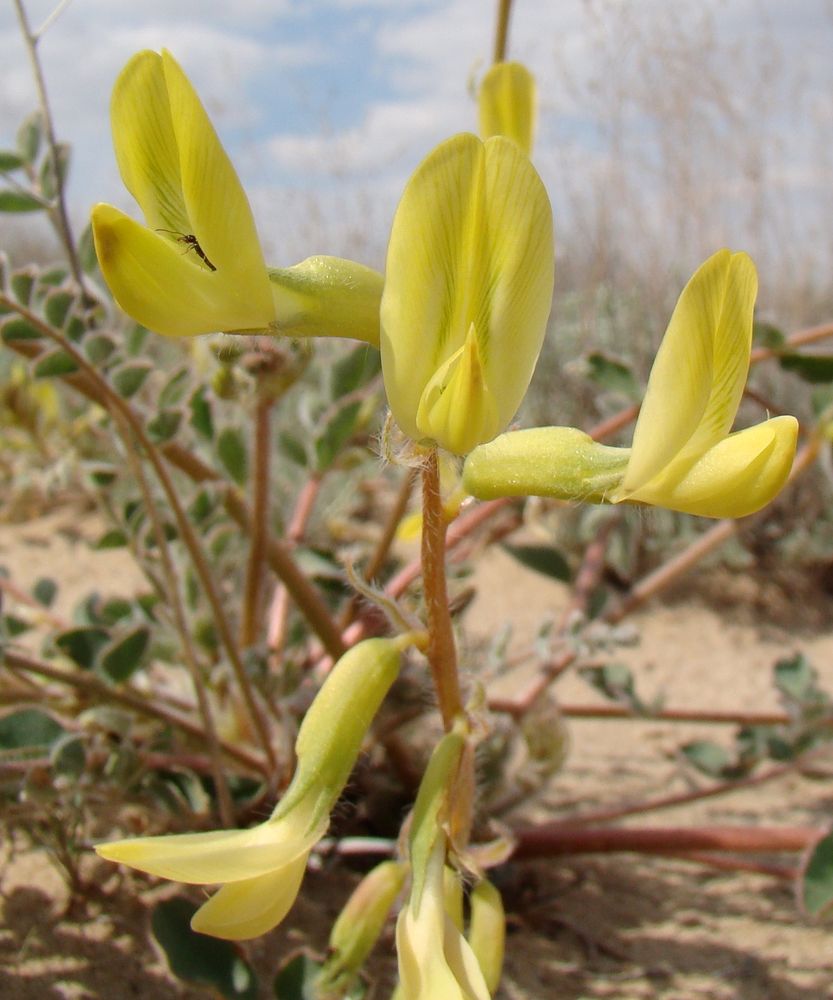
{"x":441,"y":651}
{"x":552,"y":839}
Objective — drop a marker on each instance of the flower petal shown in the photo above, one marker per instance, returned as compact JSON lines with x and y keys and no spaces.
{"x":559,"y":462}
{"x":471,"y":244}
{"x":456,"y":408}
{"x":426,"y":264}
{"x":247,"y":909}
{"x":145,"y":142}
{"x":506,"y":104}
{"x":736,"y":477}
{"x":463,"y":963}
{"x":165,"y":288}
{"x":512,"y":320}
{"x":218,"y":856}
{"x":700,"y":369}
{"x":216,"y":204}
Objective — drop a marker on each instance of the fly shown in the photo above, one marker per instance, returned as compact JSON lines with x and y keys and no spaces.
{"x":190,"y":242}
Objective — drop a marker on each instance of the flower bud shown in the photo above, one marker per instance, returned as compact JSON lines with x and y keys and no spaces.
{"x":506,"y":104}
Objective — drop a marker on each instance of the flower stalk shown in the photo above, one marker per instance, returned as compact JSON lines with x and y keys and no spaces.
{"x":442,"y":650}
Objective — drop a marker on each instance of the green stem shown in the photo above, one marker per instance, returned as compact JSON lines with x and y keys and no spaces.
{"x":441,"y":651}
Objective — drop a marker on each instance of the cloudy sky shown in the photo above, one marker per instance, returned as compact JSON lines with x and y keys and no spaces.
{"x":698,"y":124}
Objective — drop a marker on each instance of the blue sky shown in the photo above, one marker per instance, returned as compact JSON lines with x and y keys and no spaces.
{"x":326,"y":106}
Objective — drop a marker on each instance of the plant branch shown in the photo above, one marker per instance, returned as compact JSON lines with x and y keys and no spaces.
{"x":94,"y":688}
{"x":553,"y":839}
{"x":61,"y":215}
{"x":278,"y":555}
{"x":224,"y":802}
{"x":252,"y":598}
{"x":116,"y":405}
{"x":441,"y":651}
{"x":606,"y":815}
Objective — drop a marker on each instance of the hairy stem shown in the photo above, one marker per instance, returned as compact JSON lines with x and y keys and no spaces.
{"x":441,"y":651}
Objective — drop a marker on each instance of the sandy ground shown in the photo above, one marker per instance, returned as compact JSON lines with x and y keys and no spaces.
{"x":603,"y":926}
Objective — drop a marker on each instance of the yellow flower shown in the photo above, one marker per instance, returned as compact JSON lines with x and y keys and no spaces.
{"x":197,"y":266}
{"x":261,"y":868}
{"x":683,"y":456}
{"x":435,"y":960}
{"x":506,"y":104}
{"x":468,"y":289}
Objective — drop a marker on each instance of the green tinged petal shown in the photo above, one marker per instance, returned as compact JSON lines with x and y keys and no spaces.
{"x":506,"y":104}
{"x":243,"y":910}
{"x":736,"y":477}
{"x":559,"y":462}
{"x":334,"y":728}
{"x":328,"y":297}
{"x":361,"y":921}
{"x":697,"y":379}
{"x":470,"y":250}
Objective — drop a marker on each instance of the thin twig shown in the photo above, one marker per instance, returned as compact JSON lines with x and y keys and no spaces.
{"x":296,"y":529}
{"x":590,"y":572}
{"x":100,"y":691}
{"x":62,"y":226}
{"x":22,"y":597}
{"x":50,"y":19}
{"x":705,"y":716}
{"x":810,"y":335}
{"x":174,"y":600}
{"x":250,"y":617}
{"x":382,"y":548}
{"x":610,"y":813}
{"x":504,"y":9}
{"x":114,"y":402}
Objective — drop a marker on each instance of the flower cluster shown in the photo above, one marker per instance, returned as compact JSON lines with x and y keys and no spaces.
{"x":459,"y":317}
